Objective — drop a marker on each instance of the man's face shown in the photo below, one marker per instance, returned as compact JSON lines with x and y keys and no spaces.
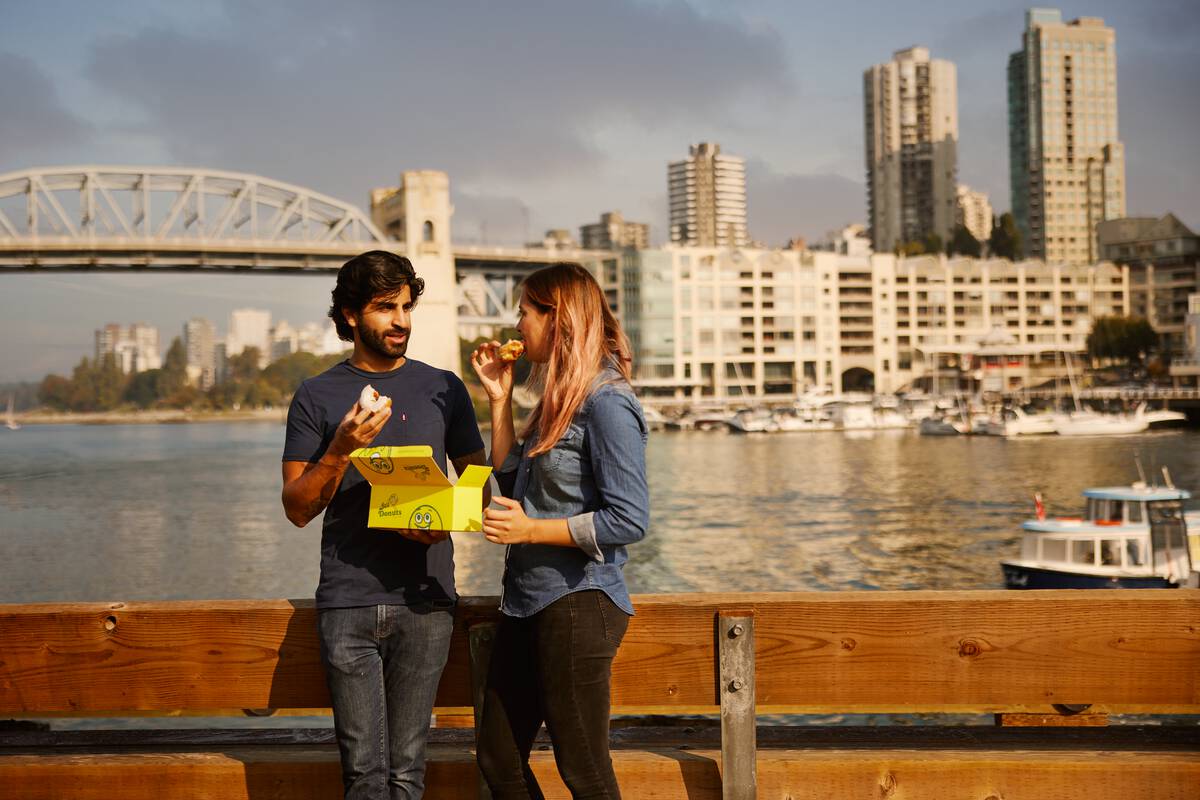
{"x":384,"y":324}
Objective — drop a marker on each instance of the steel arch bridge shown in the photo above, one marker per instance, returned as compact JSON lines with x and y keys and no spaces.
{"x":173,"y":219}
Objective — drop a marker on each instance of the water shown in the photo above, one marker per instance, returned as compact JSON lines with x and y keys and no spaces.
{"x":137,"y":512}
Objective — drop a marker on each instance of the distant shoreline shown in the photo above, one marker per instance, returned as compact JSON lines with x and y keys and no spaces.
{"x":151,"y":417}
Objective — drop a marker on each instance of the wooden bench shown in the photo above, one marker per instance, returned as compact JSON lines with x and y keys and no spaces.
{"x":1023,"y":656}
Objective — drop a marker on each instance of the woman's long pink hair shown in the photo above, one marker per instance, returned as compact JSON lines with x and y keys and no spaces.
{"x":585,"y":338}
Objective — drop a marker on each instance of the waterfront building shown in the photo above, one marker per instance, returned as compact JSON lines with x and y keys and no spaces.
{"x":416,"y":216}
{"x":723,"y":324}
{"x":728,"y":325}
{"x":614,"y":232}
{"x":135,"y":347}
{"x":249,"y":327}
{"x":285,"y":340}
{"x":1163,"y":256}
{"x":1066,"y":160}
{"x":1185,"y":370}
{"x":974,"y":212}
{"x":707,"y":196}
{"x":930,"y":311}
{"x":320,"y":339}
{"x":199,"y":342}
{"x":910,"y":112}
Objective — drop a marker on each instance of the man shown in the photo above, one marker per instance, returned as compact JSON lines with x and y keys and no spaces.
{"x":385,"y":602}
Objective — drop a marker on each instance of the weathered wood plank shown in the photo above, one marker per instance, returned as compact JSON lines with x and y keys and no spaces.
{"x":311,"y":773}
{"x":853,"y":651}
{"x":704,"y":735}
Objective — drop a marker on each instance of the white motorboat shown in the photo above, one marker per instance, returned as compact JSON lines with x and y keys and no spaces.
{"x":1013,"y":421}
{"x":888,"y":414}
{"x":802,"y":419}
{"x":944,"y":425}
{"x":1094,"y":423}
{"x":852,"y":413}
{"x":1164,"y":418}
{"x":752,"y":421}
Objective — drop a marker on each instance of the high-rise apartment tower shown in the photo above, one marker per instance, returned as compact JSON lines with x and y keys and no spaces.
{"x":708,"y":198}
{"x":1066,"y":161}
{"x":910,"y":113}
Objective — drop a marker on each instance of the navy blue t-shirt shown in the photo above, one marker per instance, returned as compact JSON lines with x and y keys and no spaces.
{"x":361,"y":566}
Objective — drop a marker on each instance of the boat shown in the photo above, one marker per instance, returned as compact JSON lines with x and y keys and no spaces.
{"x":802,"y":419}
{"x":1013,"y":421}
{"x":852,"y":412}
{"x":758,"y":420}
{"x":888,"y":414}
{"x":1164,"y":418}
{"x":10,"y":419}
{"x":1129,"y":537}
{"x":655,"y":420}
{"x":1094,"y":423}
{"x":943,"y":425}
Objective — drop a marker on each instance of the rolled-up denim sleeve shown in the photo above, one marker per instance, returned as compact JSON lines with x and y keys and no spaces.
{"x":617,"y":445}
{"x":506,"y":476}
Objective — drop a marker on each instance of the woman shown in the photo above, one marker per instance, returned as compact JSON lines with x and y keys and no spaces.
{"x":578,"y":493}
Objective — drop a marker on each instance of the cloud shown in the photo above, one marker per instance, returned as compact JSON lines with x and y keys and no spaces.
{"x":494,"y":93}
{"x":782,"y":206}
{"x":33,"y":121}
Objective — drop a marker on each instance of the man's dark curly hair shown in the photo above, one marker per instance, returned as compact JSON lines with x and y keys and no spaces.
{"x":366,"y":277}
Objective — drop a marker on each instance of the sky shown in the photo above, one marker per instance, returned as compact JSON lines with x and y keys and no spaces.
{"x":543,"y":113}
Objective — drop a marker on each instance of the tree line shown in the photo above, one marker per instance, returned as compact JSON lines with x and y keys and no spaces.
{"x":99,"y":384}
{"x":1004,"y":242}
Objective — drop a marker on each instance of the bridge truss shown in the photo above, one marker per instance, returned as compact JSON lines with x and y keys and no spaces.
{"x":172,"y":219}
{"x":165,"y":219}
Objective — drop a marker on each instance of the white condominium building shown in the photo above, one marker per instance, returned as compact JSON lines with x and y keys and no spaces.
{"x":136,"y":347}
{"x":910,"y":111}
{"x":1066,"y":159}
{"x":974,"y":213}
{"x":200,"y":340}
{"x":931,"y":305}
{"x":707,"y":193}
{"x":720,"y":323}
{"x":249,"y":327}
{"x":725,"y":324}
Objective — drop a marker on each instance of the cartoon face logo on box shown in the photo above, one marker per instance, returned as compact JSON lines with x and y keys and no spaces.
{"x":378,"y":463}
{"x":426,"y":518}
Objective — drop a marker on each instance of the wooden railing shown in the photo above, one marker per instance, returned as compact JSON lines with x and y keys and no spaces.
{"x":1023,"y":656}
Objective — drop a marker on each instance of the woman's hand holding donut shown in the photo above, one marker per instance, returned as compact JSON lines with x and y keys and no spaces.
{"x":495,"y":374}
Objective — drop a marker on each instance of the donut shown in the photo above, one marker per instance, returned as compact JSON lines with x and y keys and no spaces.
{"x":512,"y":350}
{"x":372,"y":400}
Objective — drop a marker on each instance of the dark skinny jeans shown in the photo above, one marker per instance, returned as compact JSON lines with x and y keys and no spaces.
{"x":553,"y":667}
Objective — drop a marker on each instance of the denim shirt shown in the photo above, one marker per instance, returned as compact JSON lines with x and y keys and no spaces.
{"x":595,"y":477}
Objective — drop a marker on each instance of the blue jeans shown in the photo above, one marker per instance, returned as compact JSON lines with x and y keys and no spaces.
{"x":383,"y":664}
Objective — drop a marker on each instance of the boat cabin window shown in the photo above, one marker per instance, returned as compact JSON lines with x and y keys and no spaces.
{"x":1102,"y":510}
{"x":1135,"y":553}
{"x":1135,"y":512}
{"x":1054,"y":549}
{"x":1110,"y":552}
{"x":1083,"y":551}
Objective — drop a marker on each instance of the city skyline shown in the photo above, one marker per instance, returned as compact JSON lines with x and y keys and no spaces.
{"x":777,"y":85}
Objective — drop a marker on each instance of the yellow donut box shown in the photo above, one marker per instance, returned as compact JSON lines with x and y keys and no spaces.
{"x":409,"y":490}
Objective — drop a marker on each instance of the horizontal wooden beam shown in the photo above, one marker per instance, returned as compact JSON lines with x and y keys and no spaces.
{"x":846,"y":651}
{"x":654,"y":773}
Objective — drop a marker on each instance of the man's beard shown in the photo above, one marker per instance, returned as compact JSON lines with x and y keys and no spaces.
{"x":378,"y":344}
